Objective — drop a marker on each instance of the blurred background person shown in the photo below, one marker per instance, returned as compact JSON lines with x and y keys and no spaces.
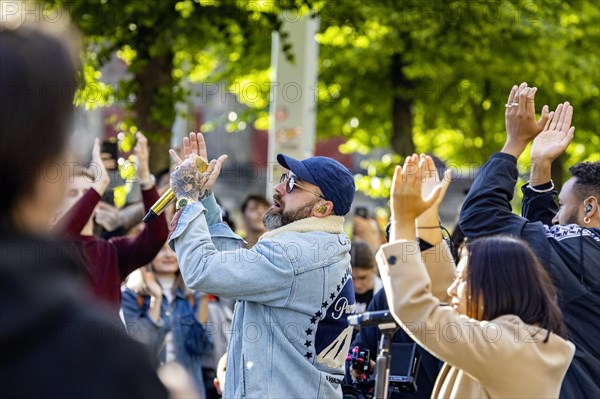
{"x":366,"y":282}
{"x":108,"y":262}
{"x":366,"y":229}
{"x":54,"y":343}
{"x":432,"y":246}
{"x":162,"y":313}
{"x":220,"y":317}
{"x":221,"y":372}
{"x":253,"y":209}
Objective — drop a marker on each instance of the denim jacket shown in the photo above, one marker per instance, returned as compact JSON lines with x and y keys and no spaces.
{"x":290,"y":335}
{"x":189,"y":336}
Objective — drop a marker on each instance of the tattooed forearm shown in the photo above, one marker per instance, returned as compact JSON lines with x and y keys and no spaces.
{"x":187,"y":181}
{"x":204,"y":193}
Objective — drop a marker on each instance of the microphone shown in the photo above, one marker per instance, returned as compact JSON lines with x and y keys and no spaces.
{"x":169,"y":196}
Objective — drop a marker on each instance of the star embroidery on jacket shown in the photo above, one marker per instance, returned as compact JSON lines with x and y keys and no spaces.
{"x":308,"y":331}
{"x":308,"y":355}
{"x":338,"y":288}
{"x":307,"y":343}
{"x":332,"y":296}
{"x":343,"y":279}
{"x":318,"y":314}
{"x":313,"y":320}
{"x":324,"y":304}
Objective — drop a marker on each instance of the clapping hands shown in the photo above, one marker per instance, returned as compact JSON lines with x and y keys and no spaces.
{"x":407,"y":201}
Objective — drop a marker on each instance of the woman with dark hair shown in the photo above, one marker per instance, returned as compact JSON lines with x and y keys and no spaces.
{"x":503,"y":335}
{"x":52,"y":343}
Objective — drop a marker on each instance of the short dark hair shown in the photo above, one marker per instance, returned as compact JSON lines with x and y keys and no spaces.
{"x":361,"y":255}
{"x":37,"y":88}
{"x":505,"y":274}
{"x":588,"y":179}
{"x":261,"y":199}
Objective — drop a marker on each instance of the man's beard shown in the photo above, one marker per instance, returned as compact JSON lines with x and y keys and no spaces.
{"x":572,"y":218}
{"x":278,"y":217}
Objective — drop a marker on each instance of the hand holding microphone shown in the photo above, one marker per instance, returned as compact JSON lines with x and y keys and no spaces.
{"x":194,"y":177}
{"x":194,"y":172}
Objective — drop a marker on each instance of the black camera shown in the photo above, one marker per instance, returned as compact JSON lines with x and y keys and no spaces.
{"x":403,"y":369}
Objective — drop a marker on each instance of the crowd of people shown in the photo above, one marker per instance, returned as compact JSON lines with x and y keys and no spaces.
{"x":93,"y":302}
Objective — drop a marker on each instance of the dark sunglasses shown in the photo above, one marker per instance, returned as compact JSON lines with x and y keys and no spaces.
{"x":291,"y":183}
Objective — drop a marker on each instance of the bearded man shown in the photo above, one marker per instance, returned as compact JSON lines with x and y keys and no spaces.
{"x":294,"y":291}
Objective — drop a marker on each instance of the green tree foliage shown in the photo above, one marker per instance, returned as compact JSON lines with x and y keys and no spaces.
{"x":163,"y":41}
{"x":405,"y":75}
{"x":434,"y":76}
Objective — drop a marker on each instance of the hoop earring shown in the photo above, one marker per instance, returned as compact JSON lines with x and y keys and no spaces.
{"x":586,"y":220}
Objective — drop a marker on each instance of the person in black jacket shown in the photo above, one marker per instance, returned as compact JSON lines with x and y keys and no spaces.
{"x":368,"y":338}
{"x":430,"y":238}
{"x":53,"y":343}
{"x":567,"y":239}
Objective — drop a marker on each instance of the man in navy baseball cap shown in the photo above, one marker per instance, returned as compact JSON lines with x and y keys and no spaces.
{"x":314,"y":187}
{"x":298,"y":273}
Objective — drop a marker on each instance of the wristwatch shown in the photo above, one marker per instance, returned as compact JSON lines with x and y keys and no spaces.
{"x":182,"y":202}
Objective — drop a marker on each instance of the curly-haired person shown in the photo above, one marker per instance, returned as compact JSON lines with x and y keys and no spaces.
{"x":566,"y":236}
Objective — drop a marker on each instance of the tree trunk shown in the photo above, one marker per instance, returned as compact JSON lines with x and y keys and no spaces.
{"x":159,"y":156}
{"x":402,"y":116}
{"x":151,"y":101}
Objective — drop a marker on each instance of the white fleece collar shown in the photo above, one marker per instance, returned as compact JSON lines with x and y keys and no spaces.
{"x":329,"y":224}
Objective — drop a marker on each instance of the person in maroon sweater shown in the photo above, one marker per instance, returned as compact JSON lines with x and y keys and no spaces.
{"x":108,"y":262}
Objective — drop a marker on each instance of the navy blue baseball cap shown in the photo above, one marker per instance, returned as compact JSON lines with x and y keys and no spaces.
{"x":334,"y":179}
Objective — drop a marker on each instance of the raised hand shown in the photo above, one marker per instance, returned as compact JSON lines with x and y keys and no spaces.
{"x":188,"y":182}
{"x":142,"y":153}
{"x":101,"y":177}
{"x":407,"y":201}
{"x":367,"y":230}
{"x":195,"y":145}
{"x":431,"y":181}
{"x":520,"y":119}
{"x":521,"y":123}
{"x":555,"y":137}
